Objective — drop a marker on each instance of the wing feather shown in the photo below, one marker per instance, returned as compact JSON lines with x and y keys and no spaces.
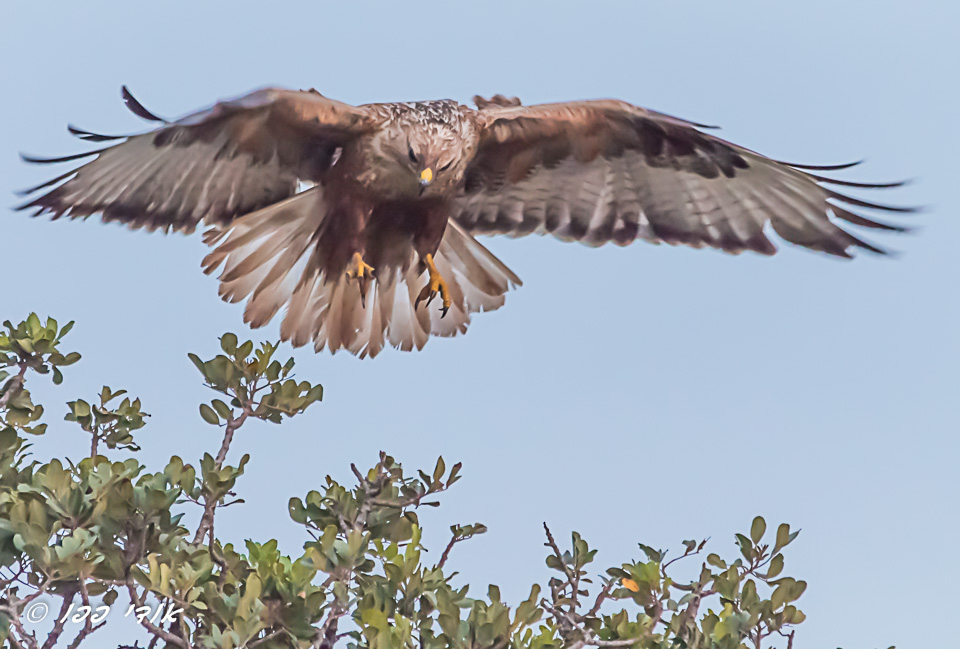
{"x":211,"y":166}
{"x":603,"y":171}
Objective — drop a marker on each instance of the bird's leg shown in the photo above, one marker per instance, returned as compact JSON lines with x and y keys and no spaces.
{"x":436,"y":283}
{"x":363,"y":273}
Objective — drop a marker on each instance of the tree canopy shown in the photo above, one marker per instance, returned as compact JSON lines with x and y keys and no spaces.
{"x":103,"y":530}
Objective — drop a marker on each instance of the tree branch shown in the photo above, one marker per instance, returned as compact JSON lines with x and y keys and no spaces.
{"x":232,"y":427}
{"x":210,"y":504}
{"x":88,"y":626}
{"x":60,"y":621}
{"x":26,"y":640}
{"x":604,"y":594}
{"x":552,"y":544}
{"x":446,"y":551}
{"x":14,"y":385}
{"x":171,"y":638}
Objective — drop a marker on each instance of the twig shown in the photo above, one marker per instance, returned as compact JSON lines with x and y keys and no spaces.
{"x":40,"y":591}
{"x":61,"y":620}
{"x":328,"y":632}
{"x":446,"y":551}
{"x":260,"y":641}
{"x":556,"y":551}
{"x":587,"y":636}
{"x":27,"y":640}
{"x":210,"y":504}
{"x":88,"y":626}
{"x":150,"y":626}
{"x":789,"y":637}
{"x":604,"y":594}
{"x":232,"y":427}
{"x":13,"y":641}
{"x":688,"y":553}
{"x":14,"y":385}
{"x":690,"y":612}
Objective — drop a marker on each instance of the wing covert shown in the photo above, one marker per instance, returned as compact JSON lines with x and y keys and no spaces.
{"x":607,"y":171}
{"x":210,"y":166}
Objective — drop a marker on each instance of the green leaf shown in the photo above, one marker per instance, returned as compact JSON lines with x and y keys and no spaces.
{"x":757,"y":529}
{"x":209,"y":415}
{"x":199,"y":363}
{"x":66,"y":329}
{"x":776,"y":567}
{"x":228,"y":343}
{"x":784,"y":537}
{"x":222,"y":409}
{"x":715,"y":561}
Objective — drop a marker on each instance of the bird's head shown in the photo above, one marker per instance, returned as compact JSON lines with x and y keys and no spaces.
{"x":423,"y":151}
{"x":434,"y":161}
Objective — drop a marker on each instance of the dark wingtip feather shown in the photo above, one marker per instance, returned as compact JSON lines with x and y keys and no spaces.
{"x":92,"y":137}
{"x":66,"y":158}
{"x":137,"y":108}
{"x":892,"y":254}
{"x":856,"y":219}
{"x":53,"y":181}
{"x":851,"y":183}
{"x":850,"y":200}
{"x":37,"y":203}
{"x":868,"y":246}
{"x":821,"y":167}
{"x":681,"y":120}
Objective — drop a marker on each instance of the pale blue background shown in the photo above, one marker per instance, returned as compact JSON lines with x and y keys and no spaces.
{"x":642,"y":394}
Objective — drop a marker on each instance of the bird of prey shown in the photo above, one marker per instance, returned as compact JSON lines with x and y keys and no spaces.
{"x":352,"y":219}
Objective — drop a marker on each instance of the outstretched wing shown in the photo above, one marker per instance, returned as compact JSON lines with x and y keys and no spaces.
{"x":231,"y":159}
{"x":600,"y":171}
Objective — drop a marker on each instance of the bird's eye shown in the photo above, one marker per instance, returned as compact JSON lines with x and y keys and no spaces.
{"x":412,"y":155}
{"x":446,"y":166}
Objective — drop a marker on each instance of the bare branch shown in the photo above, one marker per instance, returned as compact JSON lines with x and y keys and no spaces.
{"x":58,"y":625}
{"x":26,"y":640}
{"x":604,"y":594}
{"x":171,"y":638}
{"x":210,"y":504}
{"x":552,"y":544}
{"x":232,"y":427}
{"x":446,"y":551}
{"x":88,"y":626}
{"x":14,"y":386}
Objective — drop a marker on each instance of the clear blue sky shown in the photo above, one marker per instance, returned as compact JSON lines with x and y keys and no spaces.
{"x":647,"y":393}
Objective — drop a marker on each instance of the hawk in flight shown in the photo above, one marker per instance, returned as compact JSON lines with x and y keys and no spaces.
{"x":353,"y":219}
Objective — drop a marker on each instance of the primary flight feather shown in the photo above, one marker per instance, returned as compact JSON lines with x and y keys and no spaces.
{"x":398,"y":191}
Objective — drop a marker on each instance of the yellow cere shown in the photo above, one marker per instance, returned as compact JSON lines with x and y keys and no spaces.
{"x":630,"y":584}
{"x":426,"y":175}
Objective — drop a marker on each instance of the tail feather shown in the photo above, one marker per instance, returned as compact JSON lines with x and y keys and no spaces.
{"x":478,"y":280}
{"x":270,"y":258}
{"x":264,"y":254}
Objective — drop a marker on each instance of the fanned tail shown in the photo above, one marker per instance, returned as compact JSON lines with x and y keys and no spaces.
{"x":271,"y":259}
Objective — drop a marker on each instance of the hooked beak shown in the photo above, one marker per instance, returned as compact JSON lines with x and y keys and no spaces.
{"x":426,"y":177}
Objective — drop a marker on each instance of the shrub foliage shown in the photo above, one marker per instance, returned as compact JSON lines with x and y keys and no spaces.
{"x":85,"y":534}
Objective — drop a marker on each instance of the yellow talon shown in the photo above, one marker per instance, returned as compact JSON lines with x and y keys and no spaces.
{"x":436,"y":283}
{"x":363,"y":273}
{"x":359,"y":268}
